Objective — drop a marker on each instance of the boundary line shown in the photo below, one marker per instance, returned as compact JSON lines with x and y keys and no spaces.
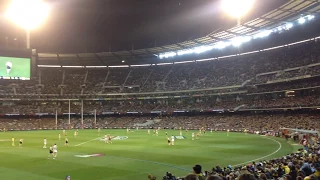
{"x":280,"y":146}
{"x":86,"y":142}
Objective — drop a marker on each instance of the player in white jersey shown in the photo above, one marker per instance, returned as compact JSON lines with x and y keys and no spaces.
{"x":98,"y":131}
{"x":172,"y":140}
{"x":9,"y":66}
{"x":149,"y":131}
{"x":211,"y":130}
{"x":55,"y":151}
{"x":192,"y":136}
{"x":75,"y":134}
{"x":44,"y":143}
{"x":157,"y":132}
{"x":59,"y":136}
{"x":128,"y":130}
{"x":64,"y":132}
{"x":137,"y":128}
{"x":180,"y":133}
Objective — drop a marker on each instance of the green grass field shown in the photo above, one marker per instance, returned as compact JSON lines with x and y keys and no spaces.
{"x":20,"y":67}
{"x":133,"y":158}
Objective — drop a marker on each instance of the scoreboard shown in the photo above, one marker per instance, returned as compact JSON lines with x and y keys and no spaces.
{"x":15,"y":64}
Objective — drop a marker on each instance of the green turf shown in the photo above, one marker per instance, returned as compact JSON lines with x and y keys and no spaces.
{"x":20,"y":67}
{"x":134,"y":158}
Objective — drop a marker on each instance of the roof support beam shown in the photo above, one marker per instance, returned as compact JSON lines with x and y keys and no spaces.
{"x":59,"y":59}
{"x":215,"y":38}
{"x":80,"y":61}
{"x":269,"y":19}
{"x":117,"y":56}
{"x":133,"y":54}
{"x":100,"y":59}
{"x":250,"y":27}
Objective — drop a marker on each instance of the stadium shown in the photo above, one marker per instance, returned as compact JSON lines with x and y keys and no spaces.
{"x":237,"y":102}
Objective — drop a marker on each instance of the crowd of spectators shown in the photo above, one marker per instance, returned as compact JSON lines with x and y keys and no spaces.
{"x":304,"y":164}
{"x":255,"y":122}
{"x":165,"y":105}
{"x":279,"y":64}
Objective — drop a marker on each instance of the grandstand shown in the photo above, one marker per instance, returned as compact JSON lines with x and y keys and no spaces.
{"x":260,"y":77}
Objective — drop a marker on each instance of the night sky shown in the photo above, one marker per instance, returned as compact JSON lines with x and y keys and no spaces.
{"x":75,"y":26}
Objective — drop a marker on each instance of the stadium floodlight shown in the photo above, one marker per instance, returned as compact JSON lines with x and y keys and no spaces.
{"x":289,"y":26}
{"x":167,"y":55}
{"x":28,"y":14}
{"x":202,"y":49}
{"x":237,"y":41}
{"x":184,"y":51}
{"x":310,"y":17}
{"x":221,"y":45}
{"x":301,"y":20}
{"x":237,"y":8}
{"x":262,"y":34}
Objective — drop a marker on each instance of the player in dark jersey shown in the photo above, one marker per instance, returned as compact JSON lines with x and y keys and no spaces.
{"x":50,"y":151}
{"x":67,"y":142}
{"x":110,"y":140}
{"x":21,"y":142}
{"x":169,"y":142}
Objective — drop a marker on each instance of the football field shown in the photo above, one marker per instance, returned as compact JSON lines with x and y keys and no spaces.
{"x":130,"y":156}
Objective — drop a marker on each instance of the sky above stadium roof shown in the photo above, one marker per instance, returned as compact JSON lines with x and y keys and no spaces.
{"x":99,"y":25}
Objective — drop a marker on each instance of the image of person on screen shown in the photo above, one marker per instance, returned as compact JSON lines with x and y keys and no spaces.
{"x":9,"y":66}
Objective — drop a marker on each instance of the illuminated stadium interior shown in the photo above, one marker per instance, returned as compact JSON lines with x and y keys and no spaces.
{"x":239,"y":102}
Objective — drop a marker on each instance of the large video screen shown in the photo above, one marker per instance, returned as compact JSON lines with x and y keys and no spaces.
{"x":15,"y":68}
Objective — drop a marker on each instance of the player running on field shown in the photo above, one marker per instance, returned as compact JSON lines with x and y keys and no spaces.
{"x":172,"y":140}
{"x":12,"y":139}
{"x":192,"y":136}
{"x":44,"y":143}
{"x":50,"y":152}
{"x":21,"y":142}
{"x":67,"y":142}
{"x":59,"y":136}
{"x":55,"y":151}
{"x":106,"y":139}
{"x":109,"y":139}
{"x":9,"y":66}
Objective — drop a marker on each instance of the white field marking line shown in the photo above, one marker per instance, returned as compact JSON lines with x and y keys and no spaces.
{"x":4,"y":140}
{"x":280,"y":146}
{"x":86,"y":142}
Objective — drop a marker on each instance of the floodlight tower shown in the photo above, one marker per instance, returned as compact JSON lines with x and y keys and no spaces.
{"x":237,"y":8}
{"x":28,"y":14}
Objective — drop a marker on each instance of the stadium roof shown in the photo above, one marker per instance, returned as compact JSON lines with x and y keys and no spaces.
{"x":285,"y":13}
